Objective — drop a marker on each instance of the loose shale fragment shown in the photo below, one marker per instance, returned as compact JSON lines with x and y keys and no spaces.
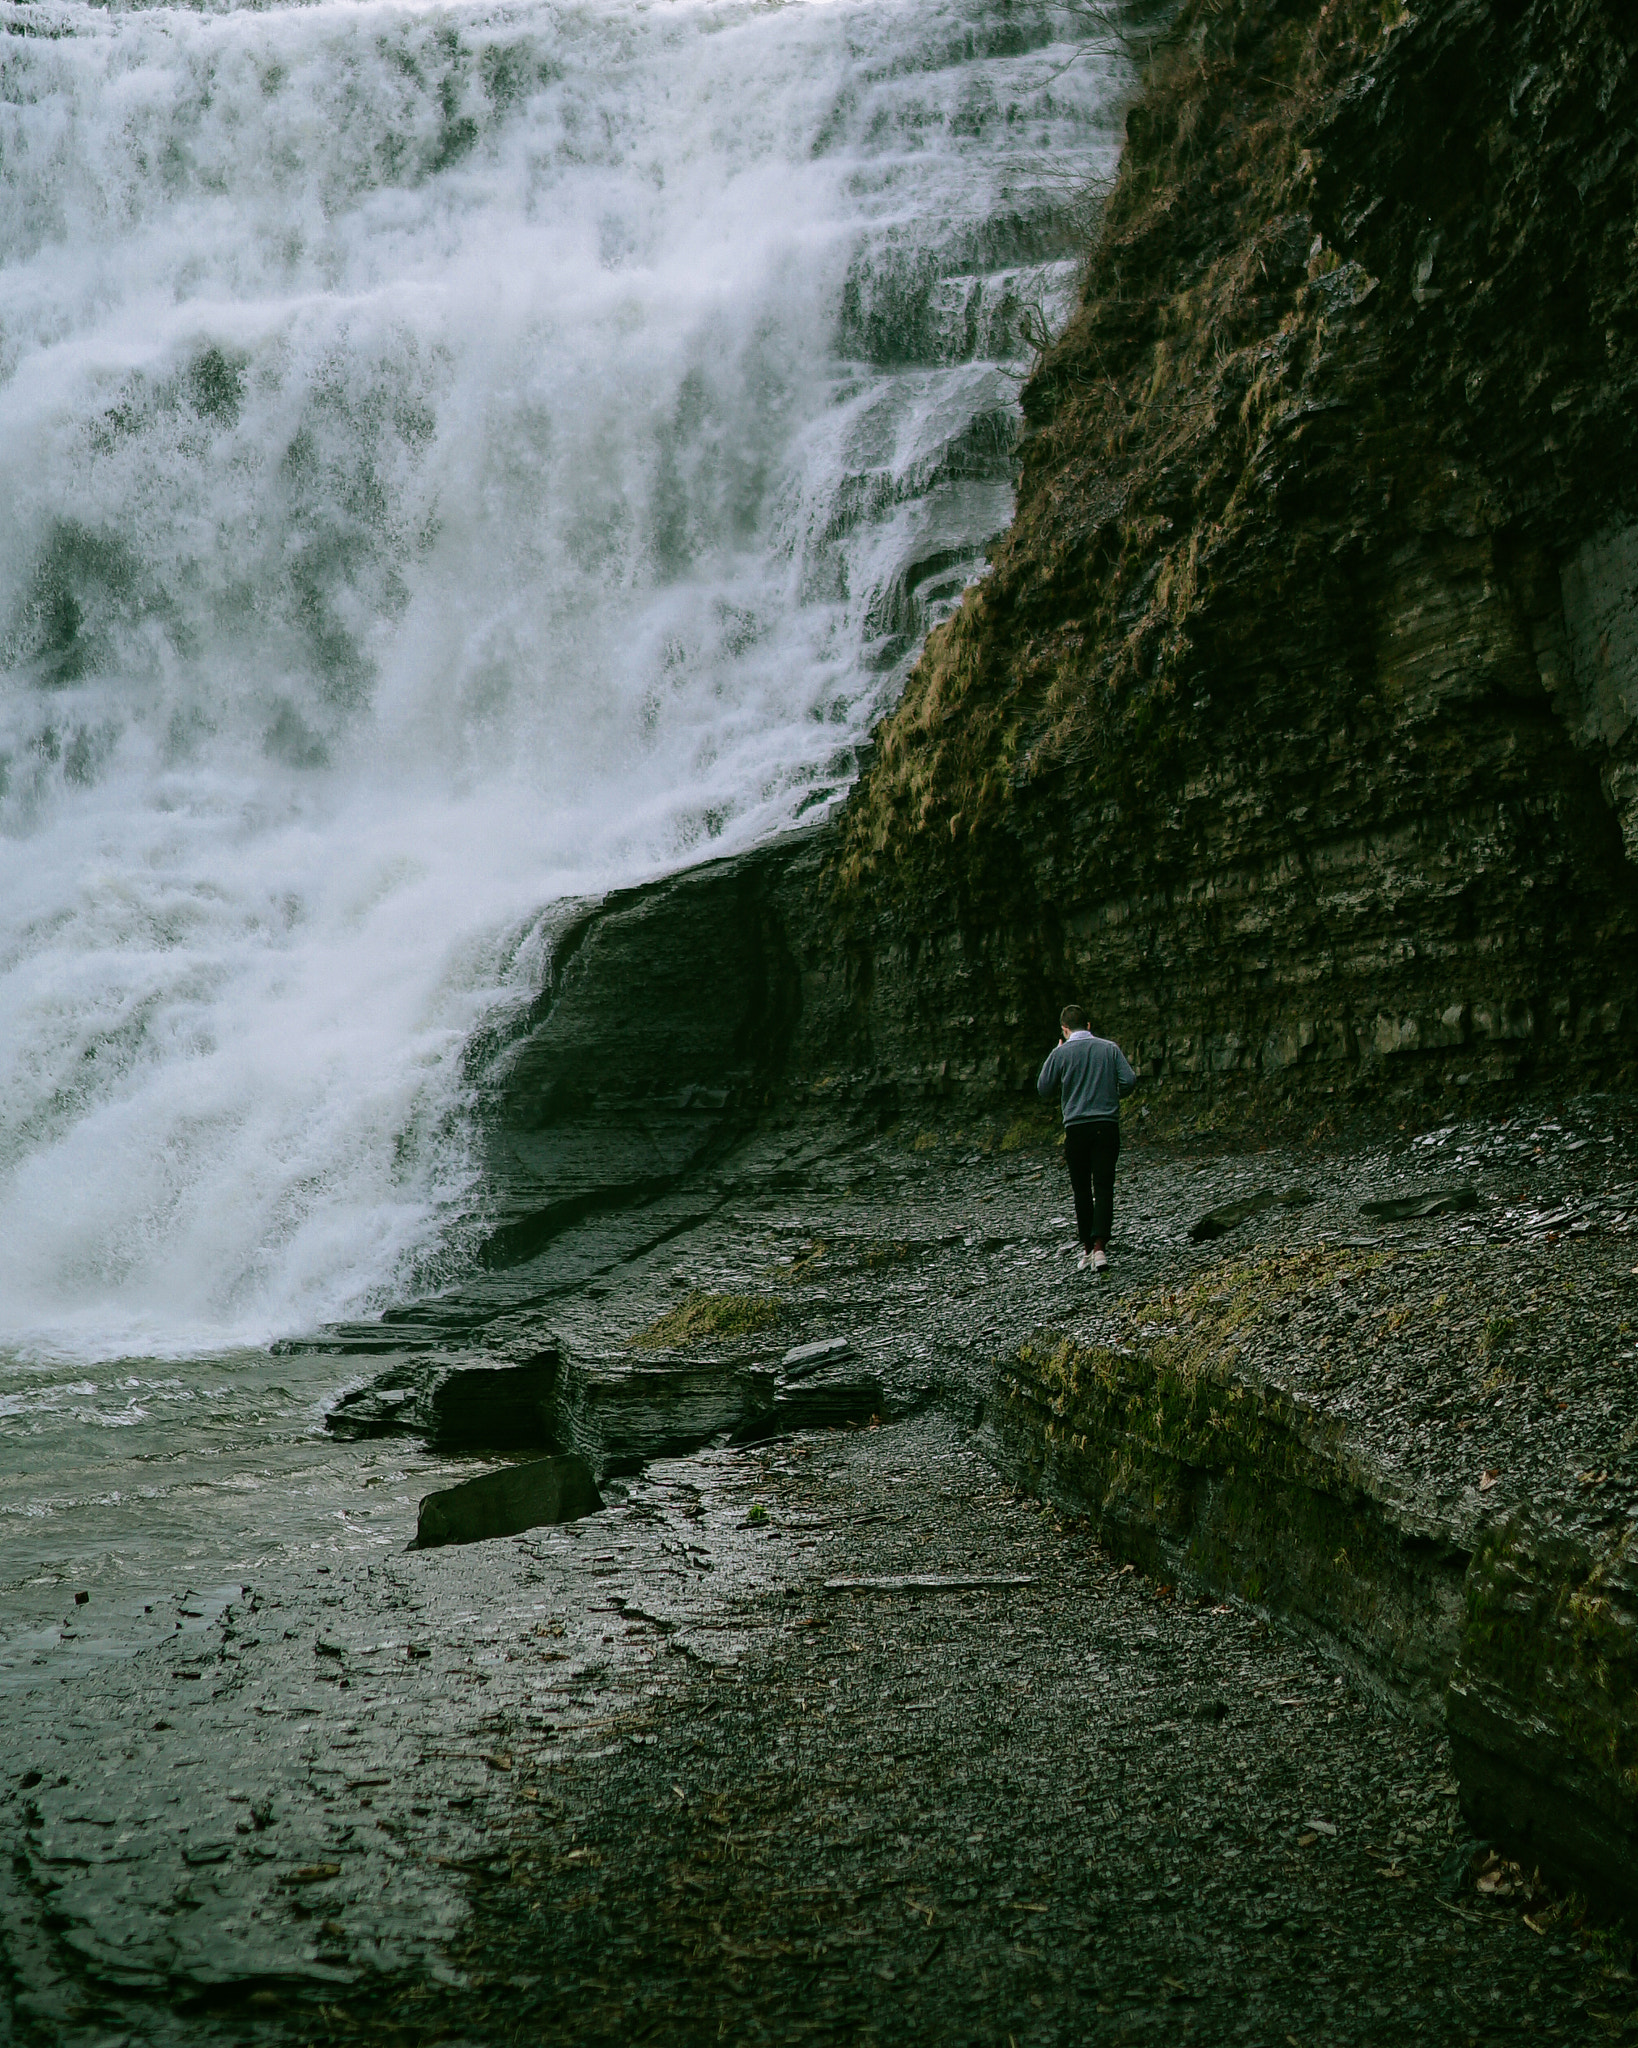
{"x":504,"y":1503}
{"x":1220,"y":1221}
{"x":1405,"y":1208}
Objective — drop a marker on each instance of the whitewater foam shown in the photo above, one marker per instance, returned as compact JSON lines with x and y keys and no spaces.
{"x":450,"y":459}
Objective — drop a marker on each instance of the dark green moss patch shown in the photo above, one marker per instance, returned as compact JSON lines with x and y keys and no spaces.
{"x":1193,"y":1470}
{"x":703,"y":1316}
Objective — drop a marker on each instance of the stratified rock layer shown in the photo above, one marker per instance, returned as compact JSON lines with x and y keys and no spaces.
{"x":1543,"y":1702}
{"x":1520,"y":1634}
{"x":505,"y":1503}
{"x":1294,"y":729}
{"x":665,"y":1012}
{"x":1204,"y":1475}
{"x":611,"y":1413}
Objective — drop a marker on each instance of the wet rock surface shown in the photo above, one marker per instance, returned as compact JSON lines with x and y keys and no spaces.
{"x":533,"y":1495}
{"x":586,"y":1126}
{"x":297,"y":1791}
{"x":459,"y":1407}
{"x":1230,"y":1215}
{"x":324,"y":1791}
{"x":616,"y":1412}
{"x":1055,"y":1806}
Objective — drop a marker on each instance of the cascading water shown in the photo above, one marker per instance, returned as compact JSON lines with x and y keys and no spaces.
{"x":449,"y":458}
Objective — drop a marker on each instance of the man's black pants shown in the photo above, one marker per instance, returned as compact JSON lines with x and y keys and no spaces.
{"x":1090,"y":1152}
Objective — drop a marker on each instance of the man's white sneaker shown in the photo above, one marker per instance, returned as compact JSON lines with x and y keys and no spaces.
{"x":1083,"y":1262}
{"x":1100,"y":1260}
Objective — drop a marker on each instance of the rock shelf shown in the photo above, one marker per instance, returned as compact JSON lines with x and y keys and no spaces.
{"x":1327,"y":1414}
{"x":385,"y":1710}
{"x":617,"y":1414}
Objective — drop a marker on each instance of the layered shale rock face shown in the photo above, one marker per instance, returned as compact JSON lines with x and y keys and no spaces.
{"x":604,"y":1411}
{"x":1295,"y":727}
{"x":1524,"y":1644}
{"x":665,"y":1016}
{"x":1543,"y":1702}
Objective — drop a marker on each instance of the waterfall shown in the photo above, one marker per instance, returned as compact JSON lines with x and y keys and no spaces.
{"x":451,"y":458}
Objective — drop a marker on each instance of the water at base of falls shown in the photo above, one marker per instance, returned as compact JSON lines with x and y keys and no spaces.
{"x":451,"y":458}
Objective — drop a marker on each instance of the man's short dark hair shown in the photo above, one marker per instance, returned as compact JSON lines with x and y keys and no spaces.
{"x":1072,"y":1017}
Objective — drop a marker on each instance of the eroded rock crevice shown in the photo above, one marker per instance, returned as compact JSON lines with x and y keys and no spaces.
{"x":1597,"y":689}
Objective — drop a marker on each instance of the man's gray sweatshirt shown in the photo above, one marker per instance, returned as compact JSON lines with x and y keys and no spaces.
{"x":1092,"y":1073}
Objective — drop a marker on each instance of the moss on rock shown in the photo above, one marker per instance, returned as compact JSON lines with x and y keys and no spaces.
{"x":1195,"y":1467}
{"x":1197,"y":1471}
{"x":701,"y":1316}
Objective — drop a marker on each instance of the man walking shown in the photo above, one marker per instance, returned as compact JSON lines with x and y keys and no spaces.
{"x":1093,"y":1075}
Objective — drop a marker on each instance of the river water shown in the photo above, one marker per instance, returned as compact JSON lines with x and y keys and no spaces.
{"x":450,"y":458}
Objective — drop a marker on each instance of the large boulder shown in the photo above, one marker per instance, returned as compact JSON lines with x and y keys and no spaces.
{"x":505,"y":1503}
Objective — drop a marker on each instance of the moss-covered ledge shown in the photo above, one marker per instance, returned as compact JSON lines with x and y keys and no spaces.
{"x":1520,"y":1633}
{"x":1203,"y":1472}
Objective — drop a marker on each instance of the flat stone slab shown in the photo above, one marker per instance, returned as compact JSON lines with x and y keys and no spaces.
{"x":505,"y":1503}
{"x":621,"y":1415}
{"x":1230,"y":1215}
{"x":806,"y":1358}
{"x":931,"y":1582}
{"x":1409,"y":1208}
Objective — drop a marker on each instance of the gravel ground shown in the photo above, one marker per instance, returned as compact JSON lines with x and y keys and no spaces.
{"x":1475,"y":1359}
{"x":733,"y":1802}
{"x":1064,"y":1809}
{"x":1472,"y":1376}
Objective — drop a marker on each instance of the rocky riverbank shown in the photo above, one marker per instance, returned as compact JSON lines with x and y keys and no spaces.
{"x":1292,"y":731}
{"x":332,"y":1791}
{"x":953,"y":1772}
{"x":1364,"y":1425}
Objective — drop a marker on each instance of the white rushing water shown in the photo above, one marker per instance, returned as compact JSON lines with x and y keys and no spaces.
{"x":450,"y":458}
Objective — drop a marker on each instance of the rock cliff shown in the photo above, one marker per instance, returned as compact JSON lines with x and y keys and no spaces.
{"x":1294,"y":727}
